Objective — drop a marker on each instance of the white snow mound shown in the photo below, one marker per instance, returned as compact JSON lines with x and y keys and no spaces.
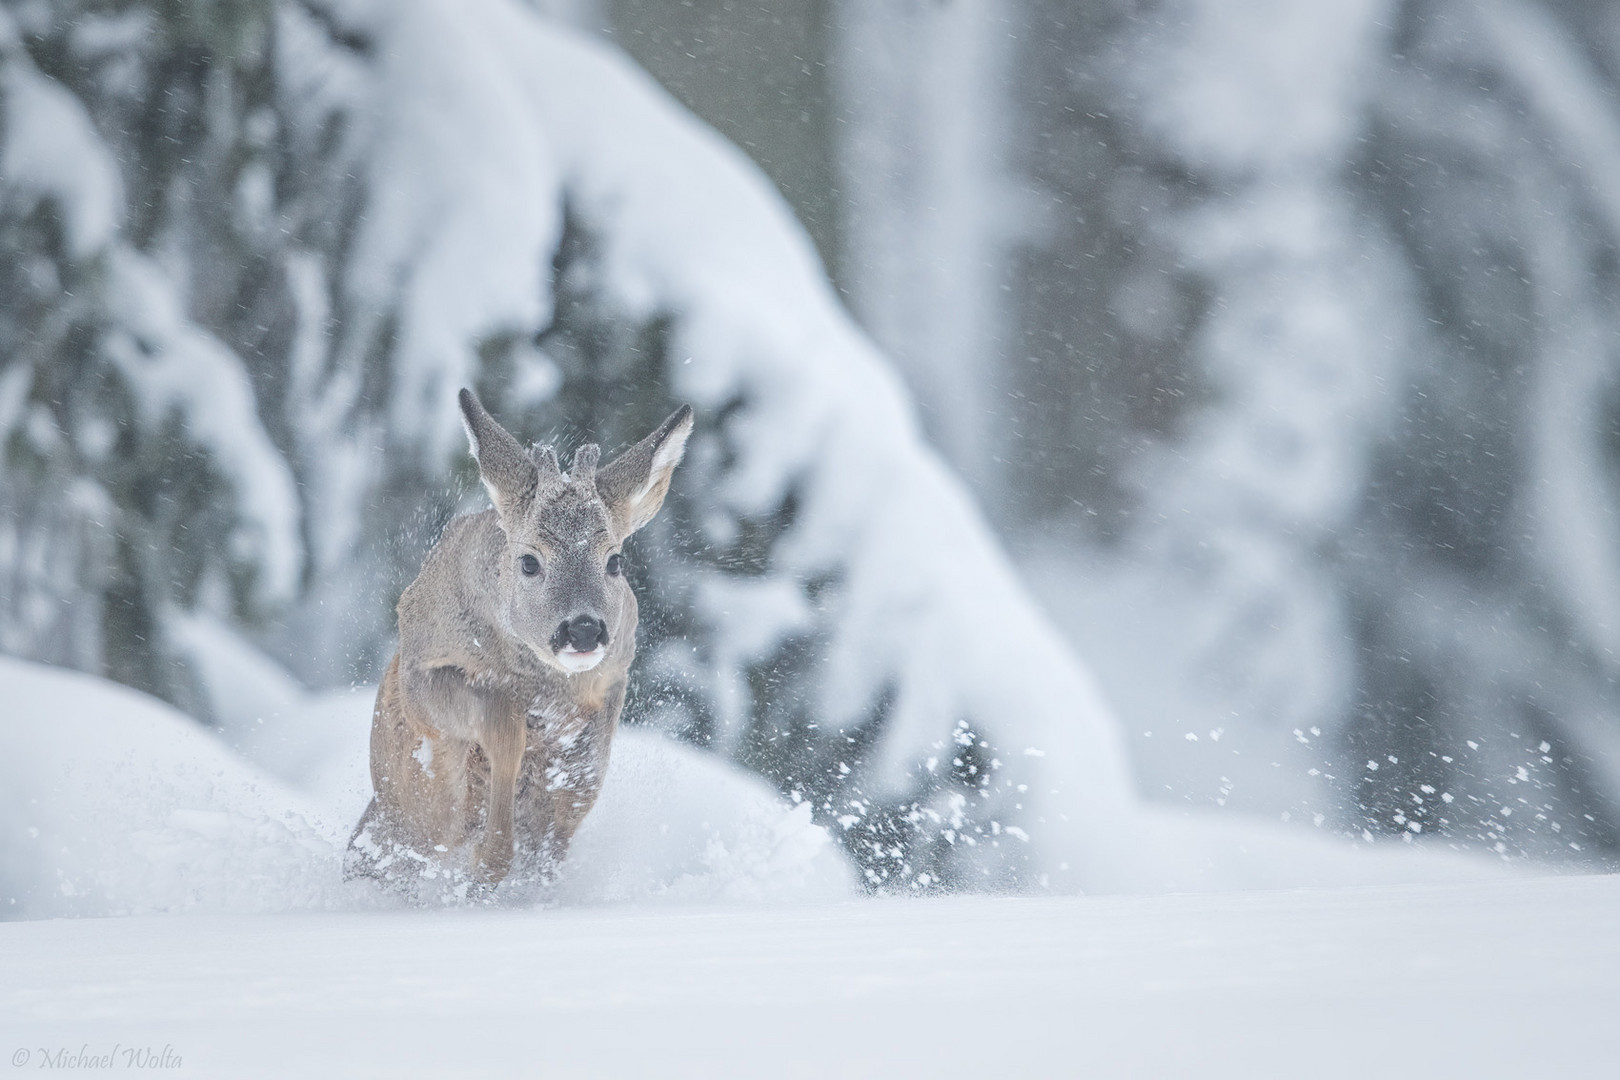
{"x":113,"y":803}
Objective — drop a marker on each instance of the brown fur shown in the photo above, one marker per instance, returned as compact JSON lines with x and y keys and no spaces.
{"x":486,"y":750}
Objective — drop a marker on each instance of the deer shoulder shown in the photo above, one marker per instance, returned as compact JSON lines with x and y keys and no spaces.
{"x":455,"y":657}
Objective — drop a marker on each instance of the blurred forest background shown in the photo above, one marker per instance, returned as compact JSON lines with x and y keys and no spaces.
{"x":1277,"y":342}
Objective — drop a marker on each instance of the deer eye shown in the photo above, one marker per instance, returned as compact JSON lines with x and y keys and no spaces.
{"x":615,"y":564}
{"x":529,"y":565}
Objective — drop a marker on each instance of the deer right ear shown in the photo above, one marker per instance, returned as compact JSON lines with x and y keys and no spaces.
{"x":633,"y":485}
{"x":509,"y":475}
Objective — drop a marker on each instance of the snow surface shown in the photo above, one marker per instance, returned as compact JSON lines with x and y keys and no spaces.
{"x":702,"y":926}
{"x":1498,"y":980}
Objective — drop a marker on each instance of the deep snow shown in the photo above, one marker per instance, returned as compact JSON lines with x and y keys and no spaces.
{"x":705,"y":927}
{"x":1515,"y":979}
{"x":112,"y":803}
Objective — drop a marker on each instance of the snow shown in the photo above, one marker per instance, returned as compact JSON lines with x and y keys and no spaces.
{"x":1266,"y":83}
{"x":462,"y":133}
{"x":51,"y":150}
{"x":922,"y":149}
{"x":703,"y":927}
{"x":113,"y":803}
{"x":173,"y":365}
{"x":473,"y":126}
{"x":462,"y":211}
{"x":315,"y":741}
{"x":1575,"y":533}
{"x":1499,"y":980}
{"x":1223,"y":609}
{"x":451,"y":144}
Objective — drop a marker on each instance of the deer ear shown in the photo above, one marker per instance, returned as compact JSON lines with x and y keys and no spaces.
{"x":509,"y":475}
{"x":633,"y":485}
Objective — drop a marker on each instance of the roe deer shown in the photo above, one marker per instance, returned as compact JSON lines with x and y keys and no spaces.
{"x":490,"y":735}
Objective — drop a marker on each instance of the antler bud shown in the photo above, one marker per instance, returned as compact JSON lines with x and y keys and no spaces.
{"x":545,"y":461}
{"x":583,"y":470}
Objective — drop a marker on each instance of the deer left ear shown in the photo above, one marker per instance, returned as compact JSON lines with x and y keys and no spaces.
{"x":633,"y":485}
{"x":509,"y":475}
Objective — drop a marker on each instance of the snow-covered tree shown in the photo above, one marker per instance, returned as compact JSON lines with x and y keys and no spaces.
{"x":138,"y":475}
{"x":1282,"y":333}
{"x":301,"y":225}
{"x":1485,"y":564}
{"x":1319,"y":361}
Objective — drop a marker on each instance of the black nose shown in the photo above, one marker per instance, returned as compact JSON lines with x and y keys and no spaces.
{"x":583,"y":633}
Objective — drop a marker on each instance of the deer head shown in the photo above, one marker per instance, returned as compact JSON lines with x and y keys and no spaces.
{"x":561,"y":583}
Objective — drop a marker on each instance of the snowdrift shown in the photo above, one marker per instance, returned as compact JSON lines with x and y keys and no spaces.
{"x":113,"y":803}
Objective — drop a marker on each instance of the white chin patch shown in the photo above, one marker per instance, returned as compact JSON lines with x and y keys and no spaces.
{"x":574,"y":661}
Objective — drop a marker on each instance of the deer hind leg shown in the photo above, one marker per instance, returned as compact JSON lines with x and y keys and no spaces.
{"x":502,"y":742}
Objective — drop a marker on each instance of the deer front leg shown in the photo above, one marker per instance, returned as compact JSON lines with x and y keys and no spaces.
{"x":487,"y":714}
{"x":502,"y":740}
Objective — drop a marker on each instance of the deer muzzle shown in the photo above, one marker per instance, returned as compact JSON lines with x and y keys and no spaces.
{"x":580,"y":643}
